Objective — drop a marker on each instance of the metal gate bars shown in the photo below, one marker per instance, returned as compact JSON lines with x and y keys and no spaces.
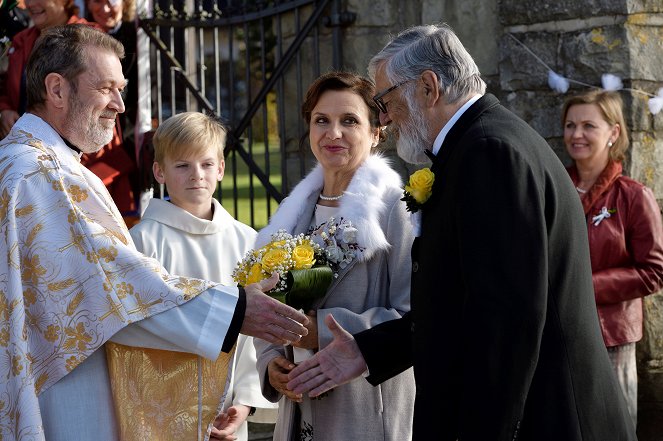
{"x":248,"y":63}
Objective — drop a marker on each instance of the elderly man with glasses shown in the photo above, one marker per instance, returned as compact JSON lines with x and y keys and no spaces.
{"x":503,"y":333}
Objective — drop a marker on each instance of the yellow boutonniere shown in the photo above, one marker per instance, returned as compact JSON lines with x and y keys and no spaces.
{"x":418,"y":189}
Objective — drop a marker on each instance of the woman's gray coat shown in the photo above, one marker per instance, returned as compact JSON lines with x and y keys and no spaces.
{"x":373,"y":289}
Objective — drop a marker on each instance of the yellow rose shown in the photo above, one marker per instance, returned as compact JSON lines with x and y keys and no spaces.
{"x":255,"y":274}
{"x":303,"y":256}
{"x":421,"y":184}
{"x":277,"y":244}
{"x":274,"y":258}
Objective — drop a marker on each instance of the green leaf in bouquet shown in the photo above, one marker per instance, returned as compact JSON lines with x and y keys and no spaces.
{"x":307,"y":285}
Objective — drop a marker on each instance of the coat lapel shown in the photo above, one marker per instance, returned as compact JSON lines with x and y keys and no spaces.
{"x":340,"y":276}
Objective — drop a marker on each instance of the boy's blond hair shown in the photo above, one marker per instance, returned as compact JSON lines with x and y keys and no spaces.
{"x":186,"y":134}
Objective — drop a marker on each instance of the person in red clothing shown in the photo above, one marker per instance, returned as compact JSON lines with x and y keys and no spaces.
{"x":116,"y":18}
{"x":111,"y":164}
{"x":623,"y":223}
{"x":44,"y":14}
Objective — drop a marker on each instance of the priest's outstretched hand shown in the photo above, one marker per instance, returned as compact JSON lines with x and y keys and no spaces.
{"x":269,"y":319}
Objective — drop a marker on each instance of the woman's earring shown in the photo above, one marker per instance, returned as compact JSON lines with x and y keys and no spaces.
{"x":609,"y":144}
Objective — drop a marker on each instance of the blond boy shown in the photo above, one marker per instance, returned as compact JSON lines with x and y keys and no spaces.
{"x":193,"y":235}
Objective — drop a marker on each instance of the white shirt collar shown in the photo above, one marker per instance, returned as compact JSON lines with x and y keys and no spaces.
{"x":443,"y":133}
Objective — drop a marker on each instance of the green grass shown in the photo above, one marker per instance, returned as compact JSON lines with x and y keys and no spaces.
{"x":245,"y":210}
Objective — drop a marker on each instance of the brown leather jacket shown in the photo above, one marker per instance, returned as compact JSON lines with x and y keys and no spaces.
{"x":626,"y":250}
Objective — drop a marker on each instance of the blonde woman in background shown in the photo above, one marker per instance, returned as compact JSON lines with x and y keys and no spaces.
{"x":623,"y":224}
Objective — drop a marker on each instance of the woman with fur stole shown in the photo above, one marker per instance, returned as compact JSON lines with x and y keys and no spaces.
{"x":348,"y":187}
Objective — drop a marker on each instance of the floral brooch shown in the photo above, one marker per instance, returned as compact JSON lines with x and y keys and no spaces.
{"x":418,"y":189}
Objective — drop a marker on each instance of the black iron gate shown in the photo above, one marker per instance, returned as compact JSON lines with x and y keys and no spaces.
{"x":248,"y":63}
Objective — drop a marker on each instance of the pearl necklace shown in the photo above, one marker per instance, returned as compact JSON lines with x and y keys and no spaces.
{"x":581,"y":191}
{"x":331,"y":198}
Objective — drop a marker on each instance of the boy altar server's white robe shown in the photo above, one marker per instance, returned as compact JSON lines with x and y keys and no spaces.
{"x":210,"y":250}
{"x":70,"y":279}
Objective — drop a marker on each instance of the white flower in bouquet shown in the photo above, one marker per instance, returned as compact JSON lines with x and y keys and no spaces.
{"x":349,"y":234}
{"x":334,"y":254}
{"x":339,"y":241}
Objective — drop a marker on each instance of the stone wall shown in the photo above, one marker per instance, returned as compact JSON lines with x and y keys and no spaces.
{"x":580,"y":40}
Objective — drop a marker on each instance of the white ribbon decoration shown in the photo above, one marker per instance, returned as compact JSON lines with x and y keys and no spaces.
{"x":656,"y":103}
{"x":604,"y":214}
{"x":611,"y":82}
{"x":557,"y":82}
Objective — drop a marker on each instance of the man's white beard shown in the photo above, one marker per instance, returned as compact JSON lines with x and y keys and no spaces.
{"x":413,"y":137}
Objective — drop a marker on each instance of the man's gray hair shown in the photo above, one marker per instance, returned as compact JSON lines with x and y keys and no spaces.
{"x":61,"y":49}
{"x":435,"y":48}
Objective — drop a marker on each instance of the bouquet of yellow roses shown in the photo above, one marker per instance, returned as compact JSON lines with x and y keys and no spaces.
{"x":304,"y":274}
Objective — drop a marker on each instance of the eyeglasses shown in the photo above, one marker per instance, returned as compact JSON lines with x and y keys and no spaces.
{"x":378,"y":98}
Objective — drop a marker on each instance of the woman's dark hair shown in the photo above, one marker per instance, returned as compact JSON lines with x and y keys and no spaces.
{"x":340,"y":81}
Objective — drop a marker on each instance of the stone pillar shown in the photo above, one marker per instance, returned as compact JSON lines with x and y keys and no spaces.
{"x":644,"y":33}
{"x":613,"y":37}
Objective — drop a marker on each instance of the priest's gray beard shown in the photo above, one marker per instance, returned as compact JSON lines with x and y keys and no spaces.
{"x":413,"y":136}
{"x":88,"y":133}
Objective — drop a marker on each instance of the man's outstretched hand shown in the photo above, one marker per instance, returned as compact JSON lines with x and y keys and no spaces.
{"x":338,"y":363}
{"x":269,"y":319}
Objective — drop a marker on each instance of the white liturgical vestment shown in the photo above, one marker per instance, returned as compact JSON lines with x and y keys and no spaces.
{"x":70,"y":279}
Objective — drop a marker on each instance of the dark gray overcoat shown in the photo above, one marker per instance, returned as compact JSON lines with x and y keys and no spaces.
{"x":504,"y":329}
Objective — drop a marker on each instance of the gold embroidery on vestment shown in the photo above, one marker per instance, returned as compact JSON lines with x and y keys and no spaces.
{"x":157,"y":394}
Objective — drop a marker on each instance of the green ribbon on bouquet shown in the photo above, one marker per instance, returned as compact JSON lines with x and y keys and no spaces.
{"x":305,"y":286}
